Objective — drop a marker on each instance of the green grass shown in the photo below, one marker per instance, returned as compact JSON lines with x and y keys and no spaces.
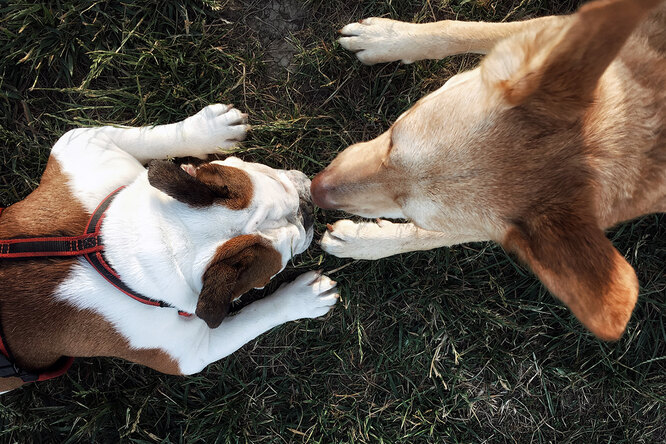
{"x":453,"y":345}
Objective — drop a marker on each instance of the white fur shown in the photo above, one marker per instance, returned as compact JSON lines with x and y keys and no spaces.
{"x":189,"y":341}
{"x":99,"y":160}
{"x":161,"y":247}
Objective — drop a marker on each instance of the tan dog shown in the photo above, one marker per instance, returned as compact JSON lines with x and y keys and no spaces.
{"x":556,"y":136}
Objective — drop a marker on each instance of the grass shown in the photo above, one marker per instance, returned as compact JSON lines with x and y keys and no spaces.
{"x":455,"y":345}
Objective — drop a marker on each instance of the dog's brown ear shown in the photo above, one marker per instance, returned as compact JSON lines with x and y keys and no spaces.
{"x":556,"y":71}
{"x":176,"y":182}
{"x":580,"y":266}
{"x":240,"y":264}
{"x":202,"y":185}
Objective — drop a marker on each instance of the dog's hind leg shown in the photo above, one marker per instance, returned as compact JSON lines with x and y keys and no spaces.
{"x":376,"y":40}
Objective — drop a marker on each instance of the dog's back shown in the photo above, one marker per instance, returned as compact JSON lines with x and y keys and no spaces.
{"x":629,"y":125}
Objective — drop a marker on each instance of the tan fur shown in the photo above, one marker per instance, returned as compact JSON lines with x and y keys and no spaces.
{"x":558,"y":135}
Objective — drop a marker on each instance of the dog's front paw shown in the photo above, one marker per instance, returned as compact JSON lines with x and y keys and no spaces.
{"x":214,"y":127}
{"x":309,"y":296}
{"x":360,"y":240}
{"x":376,"y":40}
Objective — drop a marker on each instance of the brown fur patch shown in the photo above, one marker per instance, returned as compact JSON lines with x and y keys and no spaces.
{"x":240,"y":264}
{"x":655,"y":31}
{"x":211,"y":184}
{"x":170,"y":179}
{"x":38,"y":329}
{"x":579,"y":265}
{"x":236,"y":181}
{"x":583,"y":162}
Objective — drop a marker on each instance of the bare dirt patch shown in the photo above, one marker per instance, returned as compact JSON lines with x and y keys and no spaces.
{"x":274,"y":24}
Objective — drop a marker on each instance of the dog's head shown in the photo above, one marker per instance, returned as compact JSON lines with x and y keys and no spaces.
{"x":501,"y":153}
{"x":250,"y":218}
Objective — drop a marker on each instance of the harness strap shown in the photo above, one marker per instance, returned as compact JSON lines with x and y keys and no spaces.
{"x":107,"y":272}
{"x":99,"y":263}
{"x":88,"y":245}
{"x":49,"y":246}
{"x":9,"y":370}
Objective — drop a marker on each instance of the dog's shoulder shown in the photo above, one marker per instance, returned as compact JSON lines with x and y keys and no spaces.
{"x":93,"y":165}
{"x":51,"y":209}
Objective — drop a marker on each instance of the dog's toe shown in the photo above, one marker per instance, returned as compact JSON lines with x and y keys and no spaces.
{"x":352,"y":29}
{"x":310,"y":295}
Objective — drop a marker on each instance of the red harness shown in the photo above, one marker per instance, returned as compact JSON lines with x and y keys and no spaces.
{"x":88,"y":245}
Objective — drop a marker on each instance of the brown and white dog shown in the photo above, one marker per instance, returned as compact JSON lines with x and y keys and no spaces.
{"x":192,"y":237}
{"x":559,"y":134}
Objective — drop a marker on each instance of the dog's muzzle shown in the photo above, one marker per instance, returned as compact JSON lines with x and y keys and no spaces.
{"x":306,"y":212}
{"x":305,"y":206}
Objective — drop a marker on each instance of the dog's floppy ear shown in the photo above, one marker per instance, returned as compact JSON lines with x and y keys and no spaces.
{"x":240,"y":264}
{"x":176,"y":182}
{"x":556,"y":71}
{"x":579,"y":265}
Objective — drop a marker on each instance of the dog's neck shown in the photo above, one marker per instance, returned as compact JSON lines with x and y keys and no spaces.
{"x":623,"y":131}
{"x":147,"y":243}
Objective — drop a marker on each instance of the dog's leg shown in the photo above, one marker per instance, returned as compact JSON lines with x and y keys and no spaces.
{"x":368,"y":240}
{"x":213,"y":128}
{"x":309,"y":296}
{"x":376,"y":40}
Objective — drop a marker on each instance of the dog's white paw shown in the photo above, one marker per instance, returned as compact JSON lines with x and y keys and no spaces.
{"x":376,"y":40}
{"x":214,"y":127}
{"x":309,"y":296}
{"x":361,"y":240}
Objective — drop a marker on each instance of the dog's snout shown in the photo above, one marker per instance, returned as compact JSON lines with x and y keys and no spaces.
{"x":305,"y":206}
{"x":306,"y":210}
{"x":321,"y":190}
